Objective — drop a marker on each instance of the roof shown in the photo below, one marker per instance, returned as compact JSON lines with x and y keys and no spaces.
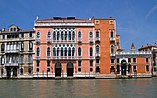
{"x":146,"y":47}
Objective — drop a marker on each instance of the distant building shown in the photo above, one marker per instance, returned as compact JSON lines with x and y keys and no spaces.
{"x":16,"y":52}
{"x":151,"y":48}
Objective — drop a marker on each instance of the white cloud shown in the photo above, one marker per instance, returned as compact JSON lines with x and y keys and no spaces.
{"x":151,"y":11}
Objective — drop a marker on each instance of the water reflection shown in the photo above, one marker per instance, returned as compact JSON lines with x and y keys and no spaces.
{"x":134,"y":88}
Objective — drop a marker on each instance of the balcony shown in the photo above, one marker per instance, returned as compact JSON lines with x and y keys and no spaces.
{"x":97,"y":39}
{"x":37,"y":40}
{"x":12,"y":51}
{"x":91,"y":40}
{"x":112,"y":39}
{"x":79,"y":40}
{"x":97,"y":54}
{"x":49,"y":40}
{"x":91,"y":57}
{"x":11,"y":64}
{"x":63,"y":57}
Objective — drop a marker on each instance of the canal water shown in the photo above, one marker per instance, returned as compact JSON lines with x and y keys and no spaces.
{"x":79,"y":88}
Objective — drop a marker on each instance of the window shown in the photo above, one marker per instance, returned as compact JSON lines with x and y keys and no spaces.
{"x":48,"y":63}
{"x":112,"y":49}
{"x":112,"y":34}
{"x":3,"y":36}
{"x":91,"y":51}
{"x":37,"y":63}
{"x":117,"y":60}
{"x":30,"y":45}
{"x":97,"y":22}
{"x":62,"y":35}
{"x":112,"y":69}
{"x":48,"y":51}
{"x":129,"y":68}
{"x":90,"y":35}
{"x":65,"y":35}
{"x":97,"y":35}
{"x":58,"y":35}
{"x":73,"y":51}
{"x":30,"y":59}
{"x":65,"y":52}
{"x":48,"y":35}
{"x":2,"y":47}
{"x":129,"y":60}
{"x":48,"y":69}
{"x":97,"y":60}
{"x":38,"y":52}
{"x":97,"y":49}
{"x":79,"y":51}
{"x":54,"y":51}
{"x":69,"y":35}
{"x":2,"y":60}
{"x":134,"y":60}
{"x":22,"y":46}
{"x":61,"y":51}
{"x":69,"y":52}
{"x":22,"y":35}
{"x":91,"y":62}
{"x":73,"y":35}
{"x":30,"y":34}
{"x":91,"y":69}
{"x":58,"y":51}
{"x":54,"y":35}
{"x":38,"y":35}
{"x":147,"y":67}
{"x":97,"y":69}
{"x":79,"y":69}
{"x":79,"y":63}
{"x":134,"y":68}
{"x":118,"y":69}
{"x":37,"y":69}
{"x":79,"y":34}
{"x":112,"y":60}
{"x":147,"y":60}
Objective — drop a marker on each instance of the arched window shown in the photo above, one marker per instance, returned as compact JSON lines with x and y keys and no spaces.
{"x":54,"y":51}
{"x":79,"y":34}
{"x":112,"y":34}
{"x":79,"y":51}
{"x":69,"y":35}
{"x":73,"y":36}
{"x":58,"y":51}
{"x":54,"y":35}
{"x":58,"y":35}
{"x":90,"y":34}
{"x":38,"y":35}
{"x":38,"y":51}
{"x":48,"y":51}
{"x":73,"y":51}
{"x":48,"y":35}
{"x":61,"y":51}
{"x":91,"y":51}
{"x":65,"y":35}
{"x":65,"y":52}
{"x":97,"y":49}
{"x":97,"y":34}
{"x":62,"y":35}
{"x":69,"y":51}
{"x":2,"y":47}
{"x":112,"y":49}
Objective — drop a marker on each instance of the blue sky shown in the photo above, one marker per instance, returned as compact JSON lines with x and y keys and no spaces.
{"x":136,"y":19}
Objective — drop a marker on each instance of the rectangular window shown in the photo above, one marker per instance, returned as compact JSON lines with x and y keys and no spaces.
{"x":22,"y":35}
{"x":129,"y":60}
{"x":30,"y":46}
{"x":37,"y":69}
{"x":79,"y":63}
{"x":147,"y":60}
{"x":48,"y":63}
{"x":91,"y":69}
{"x":117,"y":60}
{"x":134,"y":60}
{"x":112,"y":60}
{"x":79,"y":69}
{"x":147,"y":67}
{"x":91,"y":62}
{"x":22,"y":46}
{"x":30,"y":34}
{"x":37,"y":63}
{"x":134,"y":68}
{"x":48,"y":69}
{"x":3,"y":36}
{"x":97,"y":60}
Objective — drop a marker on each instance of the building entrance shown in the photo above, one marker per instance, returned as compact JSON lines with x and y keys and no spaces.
{"x":123,"y":67}
{"x":58,"y":69}
{"x":70,"y":69}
